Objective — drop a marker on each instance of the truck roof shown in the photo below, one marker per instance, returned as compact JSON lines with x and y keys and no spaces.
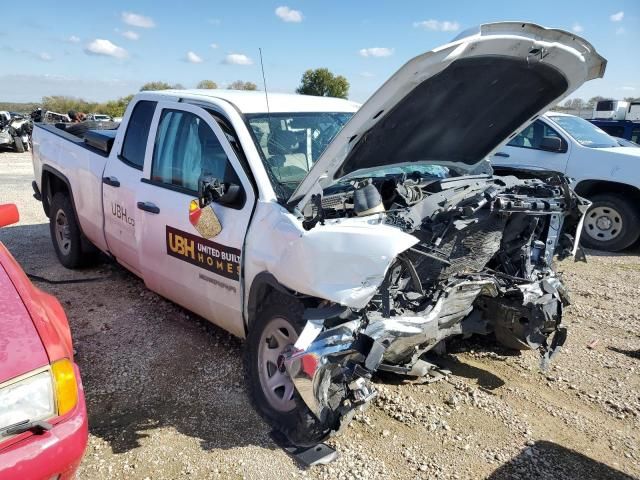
{"x":255,"y":101}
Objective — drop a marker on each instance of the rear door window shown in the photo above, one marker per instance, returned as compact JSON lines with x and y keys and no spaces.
{"x":135,"y":138}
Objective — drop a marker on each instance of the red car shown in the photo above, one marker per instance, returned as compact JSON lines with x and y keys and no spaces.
{"x":43,"y":418}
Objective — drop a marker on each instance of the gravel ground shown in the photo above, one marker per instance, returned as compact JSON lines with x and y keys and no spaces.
{"x":167,"y":399}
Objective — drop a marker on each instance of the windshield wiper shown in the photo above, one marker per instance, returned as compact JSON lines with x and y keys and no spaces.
{"x":37,"y":426}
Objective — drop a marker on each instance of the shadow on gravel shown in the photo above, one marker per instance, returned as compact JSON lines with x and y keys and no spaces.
{"x":550,"y":460}
{"x":146,"y":364}
{"x":633,"y":250}
{"x":485,"y":379}
{"x":629,"y":353}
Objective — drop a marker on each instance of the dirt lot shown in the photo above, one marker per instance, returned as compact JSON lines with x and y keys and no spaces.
{"x":167,"y":399}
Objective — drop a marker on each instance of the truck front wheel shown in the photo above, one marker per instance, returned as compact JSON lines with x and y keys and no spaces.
{"x":276,"y":329}
{"x":65,"y":232}
{"x":612,"y":223}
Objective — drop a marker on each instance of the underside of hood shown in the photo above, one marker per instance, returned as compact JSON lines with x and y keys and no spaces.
{"x":455,"y":105}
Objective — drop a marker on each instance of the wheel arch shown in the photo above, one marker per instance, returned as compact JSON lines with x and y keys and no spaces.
{"x":262,"y":286}
{"x":588,"y":188}
{"x":53,"y":181}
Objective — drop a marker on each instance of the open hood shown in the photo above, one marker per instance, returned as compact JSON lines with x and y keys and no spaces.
{"x":455,"y":105}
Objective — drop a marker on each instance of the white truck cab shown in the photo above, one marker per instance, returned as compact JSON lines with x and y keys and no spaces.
{"x":338,"y":239}
{"x":602,"y":171}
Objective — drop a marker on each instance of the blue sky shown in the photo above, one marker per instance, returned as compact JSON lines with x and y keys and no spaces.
{"x":102,"y":50}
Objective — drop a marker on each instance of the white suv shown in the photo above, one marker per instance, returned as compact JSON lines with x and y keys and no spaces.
{"x":603,"y":171}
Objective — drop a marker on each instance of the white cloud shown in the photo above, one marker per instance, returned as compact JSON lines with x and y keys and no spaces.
{"x":577,"y":28}
{"x":620,"y":31}
{"x":29,"y":88}
{"x":45,"y":57}
{"x":137,"y":20}
{"x":104,"y":47}
{"x":628,"y":88}
{"x":617,"y":17}
{"x":214,"y":45}
{"x":438,"y":25}
{"x":193,"y":57}
{"x":367,"y":74}
{"x":288,"y":15}
{"x":376,"y":52}
{"x":237,"y":59}
{"x":131,"y":35}
{"x":73,"y":39}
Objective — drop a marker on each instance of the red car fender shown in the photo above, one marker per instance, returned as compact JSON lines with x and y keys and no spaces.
{"x":46,"y":312}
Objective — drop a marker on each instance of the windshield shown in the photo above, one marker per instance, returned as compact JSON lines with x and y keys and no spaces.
{"x":291,"y":143}
{"x":584,"y":132}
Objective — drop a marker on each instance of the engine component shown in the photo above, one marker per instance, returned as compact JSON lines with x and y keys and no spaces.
{"x":367,"y":200}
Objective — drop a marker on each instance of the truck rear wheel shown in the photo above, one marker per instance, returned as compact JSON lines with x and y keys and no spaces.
{"x":65,"y":233}
{"x":612,"y":223}
{"x":273,"y":394}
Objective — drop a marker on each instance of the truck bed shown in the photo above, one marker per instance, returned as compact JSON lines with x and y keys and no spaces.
{"x":82,"y":165}
{"x":89,"y":140}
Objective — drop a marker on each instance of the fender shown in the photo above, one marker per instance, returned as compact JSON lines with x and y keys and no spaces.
{"x":46,"y":192}
{"x":263,"y":284}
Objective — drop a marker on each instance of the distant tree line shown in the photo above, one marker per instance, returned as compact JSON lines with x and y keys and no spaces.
{"x":581,"y":104}
{"x":319,"y":82}
{"x":113,"y":108}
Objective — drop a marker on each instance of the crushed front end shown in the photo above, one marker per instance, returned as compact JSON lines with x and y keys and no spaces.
{"x":482,"y":265}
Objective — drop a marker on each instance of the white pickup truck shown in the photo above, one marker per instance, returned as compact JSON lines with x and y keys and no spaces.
{"x":602,"y":171}
{"x":338,"y":240}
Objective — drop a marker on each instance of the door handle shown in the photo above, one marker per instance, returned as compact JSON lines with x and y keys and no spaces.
{"x":111,"y":181}
{"x":148,"y":207}
{"x":502,"y":154}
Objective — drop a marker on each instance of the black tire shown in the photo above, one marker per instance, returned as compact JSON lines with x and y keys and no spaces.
{"x":299,"y":425}
{"x":623,"y":218}
{"x":68,"y":242}
{"x":19,"y":144}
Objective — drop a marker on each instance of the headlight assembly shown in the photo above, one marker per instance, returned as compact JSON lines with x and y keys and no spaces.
{"x":28,"y":399}
{"x":39,"y":395}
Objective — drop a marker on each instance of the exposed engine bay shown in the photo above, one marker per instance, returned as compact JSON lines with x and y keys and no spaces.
{"x":482,"y":265}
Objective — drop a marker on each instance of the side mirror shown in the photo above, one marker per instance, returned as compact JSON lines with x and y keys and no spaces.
{"x":211,"y":189}
{"x":8,"y":214}
{"x":552,"y":144}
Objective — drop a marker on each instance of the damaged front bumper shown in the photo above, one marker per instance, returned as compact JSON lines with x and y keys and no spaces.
{"x":331,"y":368}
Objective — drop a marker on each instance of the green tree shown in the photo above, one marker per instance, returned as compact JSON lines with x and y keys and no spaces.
{"x":322,"y":83}
{"x":207,"y":84}
{"x":62,"y":104}
{"x":240,"y":85}
{"x":116,"y":108}
{"x":593,"y":100}
{"x":161,"y":86}
{"x":575,"y":104}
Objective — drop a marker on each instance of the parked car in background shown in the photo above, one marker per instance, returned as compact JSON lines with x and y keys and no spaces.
{"x":15,"y":131}
{"x":623,"y":142}
{"x":627,"y":129}
{"x":43,"y":418}
{"x":99,"y":117}
{"x":603,"y":171}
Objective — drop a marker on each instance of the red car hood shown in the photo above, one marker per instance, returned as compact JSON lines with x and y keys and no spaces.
{"x":21,"y":349}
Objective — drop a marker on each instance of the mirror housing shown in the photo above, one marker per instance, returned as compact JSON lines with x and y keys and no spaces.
{"x":211,"y":189}
{"x":8,"y":214}
{"x":552,"y":144}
